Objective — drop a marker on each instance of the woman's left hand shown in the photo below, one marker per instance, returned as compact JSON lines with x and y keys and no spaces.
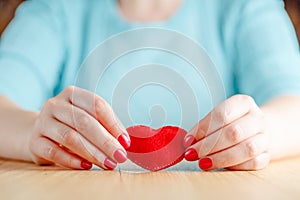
{"x":231,"y":136}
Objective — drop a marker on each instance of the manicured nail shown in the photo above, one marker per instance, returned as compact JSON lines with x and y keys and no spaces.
{"x":109,"y":164}
{"x":191,"y":155}
{"x":86,"y":164}
{"x":189,"y":140}
{"x":124,"y":141}
{"x":205,"y":163}
{"x":120,"y":156}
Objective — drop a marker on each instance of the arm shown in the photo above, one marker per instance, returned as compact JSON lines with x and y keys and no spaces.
{"x":22,"y":75}
{"x":74,"y":129}
{"x":283,"y":114}
{"x":68,"y":131}
{"x":16,"y":128}
{"x":239,"y":135}
{"x":246,"y":131}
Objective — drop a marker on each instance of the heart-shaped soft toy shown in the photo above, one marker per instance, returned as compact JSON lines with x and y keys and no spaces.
{"x":156,"y":149}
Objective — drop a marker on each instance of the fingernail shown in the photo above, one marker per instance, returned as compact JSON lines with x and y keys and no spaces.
{"x":124,"y":141}
{"x":86,"y":164}
{"x":191,"y":155}
{"x":205,"y":163}
{"x":109,"y":164}
{"x":189,"y":140}
{"x":120,"y":156}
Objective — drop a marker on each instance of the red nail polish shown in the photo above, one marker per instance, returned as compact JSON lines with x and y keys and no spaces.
{"x":191,"y":155}
{"x":189,"y":140}
{"x":124,"y":141}
{"x":120,"y":156}
{"x":109,"y":164}
{"x":86,"y":164}
{"x":205,"y":163}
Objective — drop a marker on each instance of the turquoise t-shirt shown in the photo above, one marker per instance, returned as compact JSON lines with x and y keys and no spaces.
{"x":252,"y":44}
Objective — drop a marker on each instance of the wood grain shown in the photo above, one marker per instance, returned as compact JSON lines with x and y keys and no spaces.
{"x":281,"y":180}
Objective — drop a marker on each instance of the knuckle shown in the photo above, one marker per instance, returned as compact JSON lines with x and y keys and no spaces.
{"x":243,"y":97}
{"x":101,"y":106}
{"x":69,"y":137}
{"x":256,"y":164}
{"x":248,"y":99}
{"x":82,"y":122}
{"x":200,"y":132}
{"x":226,"y":109}
{"x":107,"y":143}
{"x":99,"y":103}
{"x":69,"y":89}
{"x":222,"y":115}
{"x":260,"y":162}
{"x":50,"y":103}
{"x":93,"y":155}
{"x":239,"y":96}
{"x":252,"y":149}
{"x":71,"y":162}
{"x":114,"y":126}
{"x":69,"y":110}
{"x":51,"y":152}
{"x":234,"y":133}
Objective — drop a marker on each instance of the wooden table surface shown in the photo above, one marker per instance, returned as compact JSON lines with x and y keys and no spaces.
{"x":280,"y":180}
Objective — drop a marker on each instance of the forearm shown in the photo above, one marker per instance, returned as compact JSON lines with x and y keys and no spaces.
{"x":16,"y":126}
{"x":283,"y":116}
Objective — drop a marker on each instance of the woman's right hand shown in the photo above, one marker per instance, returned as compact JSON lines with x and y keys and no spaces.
{"x":78,"y":128}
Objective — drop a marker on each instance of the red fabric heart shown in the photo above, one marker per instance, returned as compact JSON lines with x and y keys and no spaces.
{"x":156,"y":149}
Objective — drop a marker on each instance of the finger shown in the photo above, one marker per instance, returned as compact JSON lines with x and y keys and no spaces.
{"x":237,"y":154}
{"x":230,"y":135}
{"x":257,"y":163}
{"x":48,"y":150}
{"x":90,"y":129}
{"x":222,"y":115}
{"x":77,"y":144}
{"x":100,"y":110}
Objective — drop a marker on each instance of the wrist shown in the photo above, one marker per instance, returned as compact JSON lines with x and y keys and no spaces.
{"x":17,"y":126}
{"x":25,"y":152}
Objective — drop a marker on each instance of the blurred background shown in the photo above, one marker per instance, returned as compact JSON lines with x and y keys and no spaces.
{"x":8,"y":7}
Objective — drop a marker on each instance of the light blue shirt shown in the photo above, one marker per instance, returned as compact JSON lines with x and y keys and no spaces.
{"x":251,"y":42}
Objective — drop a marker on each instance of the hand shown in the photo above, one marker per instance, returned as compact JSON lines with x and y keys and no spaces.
{"x":231,"y":136}
{"x":78,"y":128}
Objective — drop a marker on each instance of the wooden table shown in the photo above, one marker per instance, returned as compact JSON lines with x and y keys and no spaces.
{"x":281,"y":180}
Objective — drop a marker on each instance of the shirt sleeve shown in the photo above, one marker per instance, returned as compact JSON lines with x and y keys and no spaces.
{"x":31,"y":54}
{"x":267,"y":57}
